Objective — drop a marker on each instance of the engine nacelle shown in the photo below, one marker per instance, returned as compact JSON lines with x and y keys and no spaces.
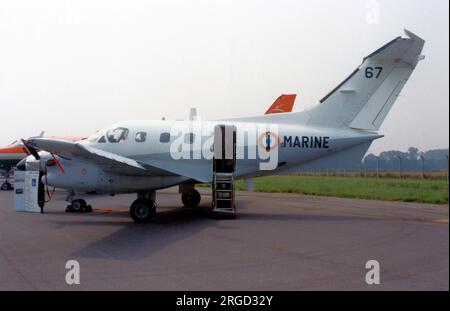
{"x":31,"y":164}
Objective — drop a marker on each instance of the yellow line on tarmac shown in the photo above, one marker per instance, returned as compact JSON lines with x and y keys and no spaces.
{"x":441,"y":221}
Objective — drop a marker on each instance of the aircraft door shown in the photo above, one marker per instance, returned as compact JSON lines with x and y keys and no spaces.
{"x":224,"y":167}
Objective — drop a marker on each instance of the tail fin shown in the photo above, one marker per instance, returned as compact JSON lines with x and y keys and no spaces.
{"x":363,"y":100}
{"x":284,"y":103}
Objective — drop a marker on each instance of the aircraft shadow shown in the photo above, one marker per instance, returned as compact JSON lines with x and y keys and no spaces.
{"x":136,"y":241}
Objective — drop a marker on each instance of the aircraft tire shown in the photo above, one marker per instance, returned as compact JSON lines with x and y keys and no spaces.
{"x":6,"y":186}
{"x":142,"y":210}
{"x":191,"y":199}
{"x":78,"y":205}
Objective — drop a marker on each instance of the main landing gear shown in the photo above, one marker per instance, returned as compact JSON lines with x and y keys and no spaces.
{"x":143,"y":209}
{"x":191,"y":199}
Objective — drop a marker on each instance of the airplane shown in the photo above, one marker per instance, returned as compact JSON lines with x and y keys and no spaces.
{"x":143,"y":156}
{"x":16,"y":151}
{"x":9,"y":157}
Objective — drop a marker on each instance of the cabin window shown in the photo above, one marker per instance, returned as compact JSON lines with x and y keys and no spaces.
{"x":164,"y":138}
{"x":117,"y":135}
{"x":140,"y":137}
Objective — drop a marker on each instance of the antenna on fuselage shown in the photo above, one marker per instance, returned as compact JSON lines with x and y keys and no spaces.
{"x":193,"y":114}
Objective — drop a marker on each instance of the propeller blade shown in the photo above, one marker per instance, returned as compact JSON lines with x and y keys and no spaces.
{"x":58,"y":164}
{"x":31,"y":149}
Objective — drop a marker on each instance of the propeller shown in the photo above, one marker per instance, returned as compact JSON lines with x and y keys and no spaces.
{"x":31,"y":150}
{"x":58,"y":163}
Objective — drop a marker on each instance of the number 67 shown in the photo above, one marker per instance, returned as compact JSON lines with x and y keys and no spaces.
{"x":370,"y":74}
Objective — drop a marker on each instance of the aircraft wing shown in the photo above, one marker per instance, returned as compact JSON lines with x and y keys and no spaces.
{"x":194,"y":169}
{"x":108,"y":161}
{"x":114,"y":163}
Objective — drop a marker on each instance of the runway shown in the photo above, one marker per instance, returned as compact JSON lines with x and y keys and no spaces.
{"x":277,"y":242}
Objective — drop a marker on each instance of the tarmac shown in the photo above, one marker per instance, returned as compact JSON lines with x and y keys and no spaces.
{"x":276,"y":242}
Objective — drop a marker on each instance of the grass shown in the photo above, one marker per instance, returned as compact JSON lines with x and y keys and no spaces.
{"x":407,"y":190}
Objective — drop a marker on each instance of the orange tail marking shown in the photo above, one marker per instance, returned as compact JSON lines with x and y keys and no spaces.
{"x":284,"y":103}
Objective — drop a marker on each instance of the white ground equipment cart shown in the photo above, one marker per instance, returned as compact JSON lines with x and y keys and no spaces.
{"x":28,"y":191}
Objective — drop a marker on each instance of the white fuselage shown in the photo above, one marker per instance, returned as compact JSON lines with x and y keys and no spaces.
{"x":297,"y":145}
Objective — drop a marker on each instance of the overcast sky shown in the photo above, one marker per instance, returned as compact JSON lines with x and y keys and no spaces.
{"x":72,"y":67}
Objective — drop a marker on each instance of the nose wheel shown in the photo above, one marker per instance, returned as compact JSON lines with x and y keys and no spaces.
{"x":77,"y":205}
{"x":142,"y":210}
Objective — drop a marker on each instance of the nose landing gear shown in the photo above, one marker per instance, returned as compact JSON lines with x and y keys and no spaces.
{"x":77,"y":205}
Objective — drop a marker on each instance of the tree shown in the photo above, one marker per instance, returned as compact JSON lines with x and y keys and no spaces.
{"x":413,"y":153}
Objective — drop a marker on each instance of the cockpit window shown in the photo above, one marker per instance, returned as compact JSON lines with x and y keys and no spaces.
{"x":140,"y":137}
{"x":102,"y":140}
{"x":117,"y":135}
{"x":96,"y":135}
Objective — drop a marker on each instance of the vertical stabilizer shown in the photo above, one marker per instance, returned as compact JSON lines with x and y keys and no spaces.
{"x":363,"y":100}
